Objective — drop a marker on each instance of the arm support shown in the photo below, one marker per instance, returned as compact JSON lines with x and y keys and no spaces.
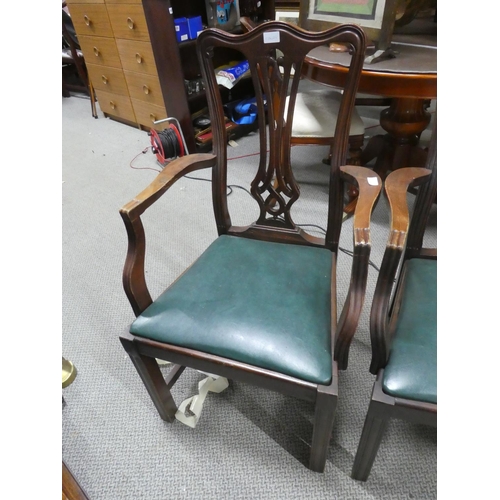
{"x":134,"y":281}
{"x":369,"y":185}
{"x":396,"y":186}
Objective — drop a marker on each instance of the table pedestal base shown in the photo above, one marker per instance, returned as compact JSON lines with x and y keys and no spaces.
{"x":404,"y":121}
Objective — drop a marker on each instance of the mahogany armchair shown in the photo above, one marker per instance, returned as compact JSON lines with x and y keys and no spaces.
{"x":404,"y":329}
{"x":259,"y":305}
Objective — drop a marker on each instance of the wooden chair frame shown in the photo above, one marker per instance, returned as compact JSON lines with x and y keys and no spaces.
{"x":405,"y":242}
{"x":274,"y":223}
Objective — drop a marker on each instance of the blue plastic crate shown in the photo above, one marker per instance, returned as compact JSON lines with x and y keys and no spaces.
{"x":195,"y":26}
{"x":181,"y":29}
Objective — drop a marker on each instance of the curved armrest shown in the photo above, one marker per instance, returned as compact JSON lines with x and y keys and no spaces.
{"x":171,"y":173}
{"x":396,"y":187}
{"x":369,"y":185}
{"x":134,"y":281}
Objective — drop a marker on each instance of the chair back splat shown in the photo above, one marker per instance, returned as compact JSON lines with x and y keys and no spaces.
{"x":273,"y":78}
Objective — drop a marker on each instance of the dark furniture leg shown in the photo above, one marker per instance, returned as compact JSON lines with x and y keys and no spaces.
{"x":373,"y":430}
{"x":355,"y":151}
{"x":355,"y":158}
{"x":326,"y":404}
{"x":153,"y":380}
{"x":404,"y":121}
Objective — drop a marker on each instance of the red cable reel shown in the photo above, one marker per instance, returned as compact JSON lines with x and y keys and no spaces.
{"x":169,"y":143}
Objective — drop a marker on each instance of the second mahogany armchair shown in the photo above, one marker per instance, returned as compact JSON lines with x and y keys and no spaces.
{"x":403,"y":323}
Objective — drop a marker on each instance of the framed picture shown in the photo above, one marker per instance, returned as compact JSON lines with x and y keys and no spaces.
{"x":288,"y":16}
{"x":376,"y":17}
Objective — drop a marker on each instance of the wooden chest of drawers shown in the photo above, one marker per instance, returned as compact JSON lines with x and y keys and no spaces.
{"x":114,"y":38}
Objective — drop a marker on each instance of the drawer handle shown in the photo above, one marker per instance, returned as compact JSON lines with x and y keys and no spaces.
{"x":130,"y":23}
{"x":96,"y":52}
{"x":138,"y":58}
{"x":153,"y":117}
{"x":112,"y":104}
{"x":146,"y":89}
{"x":86,"y":20}
{"x":104,"y":80}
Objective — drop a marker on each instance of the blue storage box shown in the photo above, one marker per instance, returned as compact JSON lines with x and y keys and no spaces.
{"x":195,"y":26}
{"x":181,"y":29}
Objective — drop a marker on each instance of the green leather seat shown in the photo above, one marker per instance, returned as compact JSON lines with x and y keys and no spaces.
{"x":261,"y":303}
{"x":411,"y":372}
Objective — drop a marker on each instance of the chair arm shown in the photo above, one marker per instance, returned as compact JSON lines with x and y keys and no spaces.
{"x":369,"y":186}
{"x":171,"y":173}
{"x":397,"y":184}
{"x":134,"y":281}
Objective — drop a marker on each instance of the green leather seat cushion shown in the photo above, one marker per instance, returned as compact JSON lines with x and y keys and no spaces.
{"x":411,"y":372}
{"x":261,"y":303}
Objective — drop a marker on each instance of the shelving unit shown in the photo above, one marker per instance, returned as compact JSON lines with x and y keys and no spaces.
{"x":177,"y":62}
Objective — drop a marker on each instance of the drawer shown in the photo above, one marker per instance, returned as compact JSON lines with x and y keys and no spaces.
{"x":144,"y":87}
{"x":128,"y":21}
{"x":90,"y":19}
{"x":115,"y":105}
{"x":124,"y":1}
{"x":100,"y":50}
{"x":108,"y":79}
{"x":136,"y":56}
{"x":146,"y":114}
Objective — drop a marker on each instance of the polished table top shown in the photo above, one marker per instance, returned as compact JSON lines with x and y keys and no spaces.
{"x":412,"y":73}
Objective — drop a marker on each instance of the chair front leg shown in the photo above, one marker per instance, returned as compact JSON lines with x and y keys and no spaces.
{"x":153,"y":380}
{"x":324,"y":415}
{"x":373,"y":431}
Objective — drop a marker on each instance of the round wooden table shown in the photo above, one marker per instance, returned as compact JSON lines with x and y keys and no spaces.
{"x":410,"y":80}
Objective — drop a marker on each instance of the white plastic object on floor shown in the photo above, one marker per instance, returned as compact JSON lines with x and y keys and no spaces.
{"x":189,"y":410}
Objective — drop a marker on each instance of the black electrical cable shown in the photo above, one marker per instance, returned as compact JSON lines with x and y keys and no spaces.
{"x":169,"y":142}
{"x":348,"y":252}
{"x":209,"y":180}
{"x":230,"y":186}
